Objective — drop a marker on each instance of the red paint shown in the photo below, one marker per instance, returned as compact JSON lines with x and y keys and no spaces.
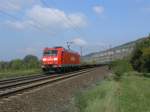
{"x":60,"y":57}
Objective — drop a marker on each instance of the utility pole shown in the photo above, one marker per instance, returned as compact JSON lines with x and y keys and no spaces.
{"x":109,"y":53}
{"x":81,"y":50}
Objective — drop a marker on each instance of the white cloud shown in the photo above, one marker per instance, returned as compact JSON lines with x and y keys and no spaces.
{"x":78,"y":20}
{"x":16,"y":5}
{"x":9,"y":5}
{"x":79,"y":41}
{"x":46,"y":16}
{"x":98,"y":9}
{"x":18,"y":24}
{"x":50,"y":18}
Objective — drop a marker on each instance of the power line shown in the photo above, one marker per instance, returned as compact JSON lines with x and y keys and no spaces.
{"x":68,"y":21}
{"x":14,"y":17}
{"x":4,"y":13}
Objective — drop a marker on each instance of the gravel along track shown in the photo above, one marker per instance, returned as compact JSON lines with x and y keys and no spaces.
{"x":16,"y":79}
{"x":54,"y":97}
{"x":15,"y":87}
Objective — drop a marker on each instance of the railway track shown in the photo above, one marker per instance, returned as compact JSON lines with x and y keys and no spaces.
{"x":14,"y":86}
{"x":10,"y":80}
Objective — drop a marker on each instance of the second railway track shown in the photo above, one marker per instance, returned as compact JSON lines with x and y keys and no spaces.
{"x":12,"y":87}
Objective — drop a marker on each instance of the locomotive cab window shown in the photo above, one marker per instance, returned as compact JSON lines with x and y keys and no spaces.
{"x":50,"y":53}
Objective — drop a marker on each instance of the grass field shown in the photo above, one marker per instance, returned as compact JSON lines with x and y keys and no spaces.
{"x":130,"y":94}
{"x":9,"y":74}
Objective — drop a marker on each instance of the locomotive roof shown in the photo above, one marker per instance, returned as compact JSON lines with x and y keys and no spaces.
{"x":64,"y":49}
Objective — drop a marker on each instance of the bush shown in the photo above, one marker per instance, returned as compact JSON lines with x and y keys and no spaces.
{"x":16,"y":64}
{"x":120,"y":67}
{"x":28,"y":63}
{"x":31,"y":61}
{"x":145,"y":66}
{"x":140,"y":59}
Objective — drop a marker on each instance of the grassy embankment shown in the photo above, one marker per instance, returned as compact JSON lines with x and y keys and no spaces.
{"x":16,"y":73}
{"x":123,"y":92}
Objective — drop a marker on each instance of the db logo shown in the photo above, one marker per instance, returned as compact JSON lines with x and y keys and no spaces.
{"x":72,"y":58}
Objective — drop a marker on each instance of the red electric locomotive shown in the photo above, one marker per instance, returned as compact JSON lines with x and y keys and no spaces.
{"x":59,"y":59}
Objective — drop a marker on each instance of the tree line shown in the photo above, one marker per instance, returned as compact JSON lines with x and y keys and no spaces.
{"x":139,"y":60}
{"x":28,"y":62}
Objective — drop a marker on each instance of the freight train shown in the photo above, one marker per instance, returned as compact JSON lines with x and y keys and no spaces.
{"x":59,"y":59}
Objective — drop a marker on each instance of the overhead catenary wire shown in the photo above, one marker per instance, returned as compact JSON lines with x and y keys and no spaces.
{"x":36,"y":26}
{"x":67,"y":20}
{"x":69,"y":23}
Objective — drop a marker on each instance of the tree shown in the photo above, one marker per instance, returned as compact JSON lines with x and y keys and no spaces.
{"x":141,"y":56}
{"x":146,"y":60}
{"x":4,"y":65}
{"x":31,"y":61}
{"x":16,"y":64}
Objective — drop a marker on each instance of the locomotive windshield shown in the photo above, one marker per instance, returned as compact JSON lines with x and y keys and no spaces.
{"x":50,"y":53}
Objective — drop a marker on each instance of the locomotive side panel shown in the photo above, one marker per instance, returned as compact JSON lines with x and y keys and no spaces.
{"x":70,"y":58}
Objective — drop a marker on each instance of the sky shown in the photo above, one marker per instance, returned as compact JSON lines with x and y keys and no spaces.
{"x":28,"y":26}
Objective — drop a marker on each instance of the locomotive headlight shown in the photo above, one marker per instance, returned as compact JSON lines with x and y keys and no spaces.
{"x":44,"y":59}
{"x":55,"y":59}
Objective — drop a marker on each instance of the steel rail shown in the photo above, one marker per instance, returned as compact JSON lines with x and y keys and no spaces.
{"x":23,"y":82}
{"x":10,"y":80}
{"x":22,"y":78}
{"x":26,"y":85}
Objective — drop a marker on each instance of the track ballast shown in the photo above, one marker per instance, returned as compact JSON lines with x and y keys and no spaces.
{"x":13,"y":86}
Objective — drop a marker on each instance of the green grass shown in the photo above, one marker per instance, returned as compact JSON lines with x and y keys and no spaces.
{"x":10,"y":74}
{"x":119,"y":67}
{"x":98,"y":99}
{"x":130,"y":94}
{"x":134,"y":94}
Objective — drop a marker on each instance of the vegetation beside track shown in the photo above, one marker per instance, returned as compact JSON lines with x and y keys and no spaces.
{"x":27,"y":63}
{"x":98,"y":99}
{"x":140,"y":58}
{"x":19,"y":67}
{"x":125,"y":91}
{"x":17,"y":73}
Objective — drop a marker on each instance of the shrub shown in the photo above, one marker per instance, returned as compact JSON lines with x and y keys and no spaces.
{"x":29,"y":62}
{"x":120,"y":67}
{"x":145,"y":66}
{"x":140,"y":59}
